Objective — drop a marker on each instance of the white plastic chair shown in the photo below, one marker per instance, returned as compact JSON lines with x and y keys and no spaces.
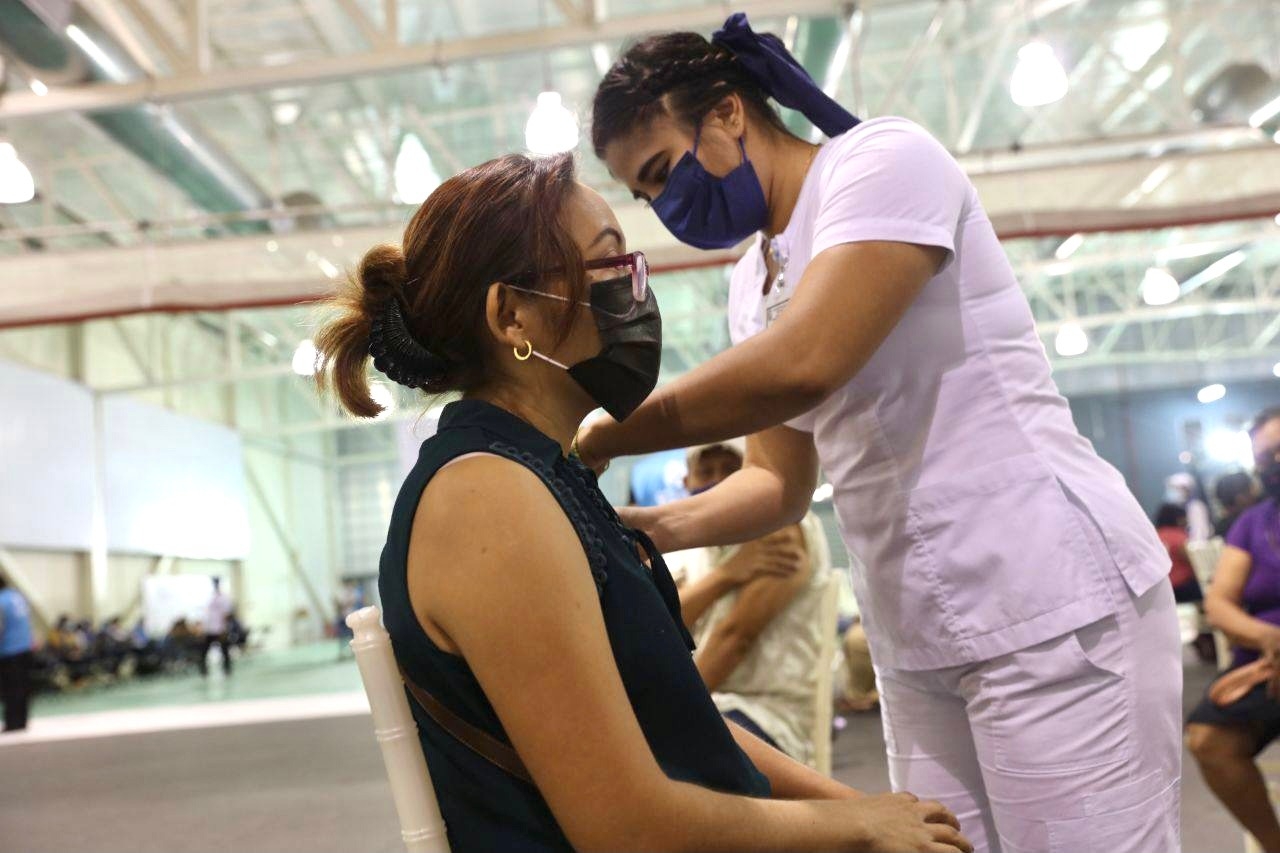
{"x":1204,"y":558}
{"x":827,"y":620}
{"x":421,"y":826}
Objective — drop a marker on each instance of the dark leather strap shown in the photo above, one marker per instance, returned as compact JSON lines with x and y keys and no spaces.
{"x":477,"y":740}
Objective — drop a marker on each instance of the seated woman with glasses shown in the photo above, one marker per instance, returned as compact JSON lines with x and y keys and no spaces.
{"x":557,"y":702}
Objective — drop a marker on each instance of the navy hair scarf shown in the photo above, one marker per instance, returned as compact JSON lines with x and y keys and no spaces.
{"x":766,"y":59}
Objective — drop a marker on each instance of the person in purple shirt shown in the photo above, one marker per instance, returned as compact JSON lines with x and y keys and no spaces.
{"x":1244,"y":603}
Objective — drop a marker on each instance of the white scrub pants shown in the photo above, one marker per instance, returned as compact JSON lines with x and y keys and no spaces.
{"x":1070,"y":746}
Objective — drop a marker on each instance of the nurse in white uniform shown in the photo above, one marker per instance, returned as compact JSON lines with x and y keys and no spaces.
{"x":1015,"y":595}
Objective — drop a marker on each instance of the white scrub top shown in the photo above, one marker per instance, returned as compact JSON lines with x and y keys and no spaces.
{"x":985,"y":521}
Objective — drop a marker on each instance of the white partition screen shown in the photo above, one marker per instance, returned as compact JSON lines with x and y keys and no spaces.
{"x":174,"y":485}
{"x":46,"y":460}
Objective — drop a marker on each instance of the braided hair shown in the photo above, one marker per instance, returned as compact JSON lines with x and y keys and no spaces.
{"x":682,"y":74}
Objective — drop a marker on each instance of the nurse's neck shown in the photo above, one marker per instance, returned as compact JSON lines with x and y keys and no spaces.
{"x":789,"y":160}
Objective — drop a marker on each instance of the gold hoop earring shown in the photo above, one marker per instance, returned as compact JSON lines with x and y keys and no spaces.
{"x":516,"y":351}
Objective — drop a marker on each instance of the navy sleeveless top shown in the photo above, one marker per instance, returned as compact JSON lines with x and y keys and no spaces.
{"x":485,"y":808}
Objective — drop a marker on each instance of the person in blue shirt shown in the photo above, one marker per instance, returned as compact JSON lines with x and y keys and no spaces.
{"x":16,"y":643}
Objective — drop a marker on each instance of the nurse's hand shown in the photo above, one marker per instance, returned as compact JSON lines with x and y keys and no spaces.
{"x":586,"y":444}
{"x":902,"y":822}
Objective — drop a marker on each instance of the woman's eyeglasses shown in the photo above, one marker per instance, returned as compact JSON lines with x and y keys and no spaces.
{"x":632,"y":262}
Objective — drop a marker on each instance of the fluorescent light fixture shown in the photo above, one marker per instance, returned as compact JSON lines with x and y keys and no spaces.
{"x":1038,"y":78}
{"x":1157,"y":177}
{"x":1071,"y":340}
{"x":1211,"y":393}
{"x":1230,"y":447}
{"x":1158,"y":78}
{"x":551,"y":128}
{"x":286,"y":112}
{"x":415,"y":175}
{"x":384,"y":397}
{"x":39,"y":87}
{"x":327,"y":267}
{"x":95,"y":53}
{"x":1222,"y":266}
{"x":1159,"y":287}
{"x":304,"y":358}
{"x":1069,"y":246}
{"x":1265,"y":113}
{"x":16,"y":184}
{"x":823,"y":493}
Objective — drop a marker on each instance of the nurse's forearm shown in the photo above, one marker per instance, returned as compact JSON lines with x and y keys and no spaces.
{"x":751,"y":503}
{"x":740,"y":391}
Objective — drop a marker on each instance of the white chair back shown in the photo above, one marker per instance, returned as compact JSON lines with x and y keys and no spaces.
{"x":827,"y":619}
{"x":421,"y":826}
{"x":1204,"y":559}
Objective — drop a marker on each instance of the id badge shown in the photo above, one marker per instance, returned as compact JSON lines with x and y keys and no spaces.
{"x":776,"y":299}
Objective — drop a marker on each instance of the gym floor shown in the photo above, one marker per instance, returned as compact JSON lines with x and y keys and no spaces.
{"x":314,"y":784}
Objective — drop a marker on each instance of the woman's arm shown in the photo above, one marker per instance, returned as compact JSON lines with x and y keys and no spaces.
{"x":528,"y":622}
{"x":1222,"y":602}
{"x":774,"y":488}
{"x":847,"y":302}
{"x":789,"y":779}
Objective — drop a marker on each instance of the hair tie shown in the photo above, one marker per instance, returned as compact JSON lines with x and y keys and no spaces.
{"x":397,"y":354}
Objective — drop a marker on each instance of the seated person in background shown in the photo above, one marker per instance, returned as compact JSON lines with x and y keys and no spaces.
{"x":860,"y":692}
{"x":1235,"y":493}
{"x":1239,"y":717}
{"x":1171,"y":527}
{"x":753,"y":610}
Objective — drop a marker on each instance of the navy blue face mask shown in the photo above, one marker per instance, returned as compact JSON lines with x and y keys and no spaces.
{"x":707,"y":212}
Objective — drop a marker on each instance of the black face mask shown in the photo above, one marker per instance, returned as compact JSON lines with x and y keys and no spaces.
{"x":1270,"y":479}
{"x":626,"y":370}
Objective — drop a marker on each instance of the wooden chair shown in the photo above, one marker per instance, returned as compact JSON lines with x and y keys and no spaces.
{"x":421,"y":826}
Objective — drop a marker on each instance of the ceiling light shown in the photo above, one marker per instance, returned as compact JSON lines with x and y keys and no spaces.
{"x":384,"y":397}
{"x":600,"y":56}
{"x":1068,"y":247}
{"x":1267,"y":112}
{"x":108,"y":66}
{"x":286,"y":112}
{"x":327,"y":267}
{"x":16,"y":184}
{"x":1275,"y":371}
{"x":1159,"y":287}
{"x":39,"y":87}
{"x":1158,"y":78}
{"x":1157,"y":177}
{"x":415,"y":175}
{"x":1211,"y":393}
{"x":551,"y":128}
{"x":1136,"y":45}
{"x":1071,"y":340}
{"x":823,"y":493}
{"x":304,"y":358}
{"x":273,"y":246}
{"x":1038,"y":78}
